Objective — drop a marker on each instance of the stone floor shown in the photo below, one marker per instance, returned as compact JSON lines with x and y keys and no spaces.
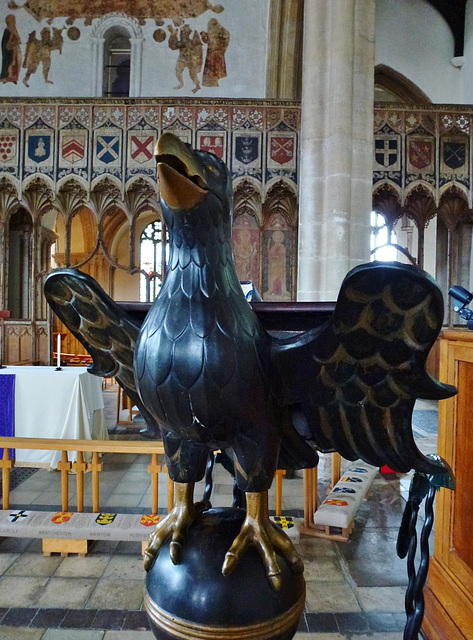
{"x":355,"y":590}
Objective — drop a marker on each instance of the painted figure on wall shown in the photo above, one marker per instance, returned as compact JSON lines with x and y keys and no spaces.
{"x":277,"y":250}
{"x":90,"y":9}
{"x":190,"y":54}
{"x":245,"y":240}
{"x":11,"y":51}
{"x":39,"y":51}
{"x":217,"y":39}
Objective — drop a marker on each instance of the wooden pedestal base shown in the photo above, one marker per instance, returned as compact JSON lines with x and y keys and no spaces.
{"x":64,"y":546}
{"x":328,"y":532}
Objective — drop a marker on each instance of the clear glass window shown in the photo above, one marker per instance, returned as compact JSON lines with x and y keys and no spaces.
{"x":381,"y":240}
{"x":117,"y":68}
{"x":153,"y":259}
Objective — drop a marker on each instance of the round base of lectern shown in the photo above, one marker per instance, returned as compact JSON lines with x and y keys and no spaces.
{"x":193,"y":600}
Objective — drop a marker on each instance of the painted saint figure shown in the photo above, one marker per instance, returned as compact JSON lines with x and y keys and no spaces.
{"x":277,"y":268}
{"x":39,"y":51}
{"x":11,"y":51}
{"x":190,"y":54}
{"x":217,"y":39}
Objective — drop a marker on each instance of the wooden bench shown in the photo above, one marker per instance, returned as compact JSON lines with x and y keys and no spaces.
{"x":334,"y":519}
{"x":75,"y":527}
{"x":85,"y":527}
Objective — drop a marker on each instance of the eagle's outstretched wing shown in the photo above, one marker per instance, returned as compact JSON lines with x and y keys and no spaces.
{"x":352,"y":383}
{"x":105,"y":330}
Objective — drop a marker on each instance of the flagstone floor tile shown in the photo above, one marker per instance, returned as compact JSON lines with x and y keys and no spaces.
{"x":22,"y":633}
{"x":23,"y":496}
{"x":18,"y":617}
{"x":117,"y":594}
{"x":125,"y":568}
{"x":136,"y":621}
{"x":46,"y":618}
{"x":79,"y":619}
{"x":92,"y":566}
{"x":14,"y":545}
{"x":128,"y":635}
{"x":70,"y":593}
{"x":117,"y":500}
{"x":324,"y":569}
{"x":135,"y":487}
{"x":319,"y":636}
{"x":380,"y":636}
{"x":18,"y":591}
{"x":323,"y":597}
{"x":73,"y":634}
{"x":314,"y":548}
{"x":6,"y":560}
{"x":32,"y":564}
{"x":385,"y":599}
{"x":111,"y":619}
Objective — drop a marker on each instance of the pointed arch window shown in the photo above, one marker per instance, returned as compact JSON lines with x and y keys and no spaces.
{"x":153,"y":259}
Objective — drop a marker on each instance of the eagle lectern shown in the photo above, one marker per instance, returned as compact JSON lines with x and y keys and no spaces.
{"x":207,"y":376}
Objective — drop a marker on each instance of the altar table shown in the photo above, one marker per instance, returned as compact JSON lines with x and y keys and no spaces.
{"x":66,"y":404}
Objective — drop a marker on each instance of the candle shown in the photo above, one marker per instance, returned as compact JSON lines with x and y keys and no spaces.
{"x":58,"y":350}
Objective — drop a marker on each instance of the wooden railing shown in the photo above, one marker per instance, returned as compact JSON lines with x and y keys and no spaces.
{"x":95,"y":447}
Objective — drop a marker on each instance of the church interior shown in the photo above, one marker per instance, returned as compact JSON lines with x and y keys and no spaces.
{"x":347,"y":128}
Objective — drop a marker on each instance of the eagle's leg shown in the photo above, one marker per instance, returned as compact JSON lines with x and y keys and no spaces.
{"x":176,"y":523}
{"x":186,"y":463}
{"x":267,"y":537}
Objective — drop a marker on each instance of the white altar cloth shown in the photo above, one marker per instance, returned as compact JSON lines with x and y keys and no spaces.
{"x":65,"y":404}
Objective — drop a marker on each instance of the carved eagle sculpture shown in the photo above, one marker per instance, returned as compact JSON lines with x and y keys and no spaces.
{"x":207,"y":376}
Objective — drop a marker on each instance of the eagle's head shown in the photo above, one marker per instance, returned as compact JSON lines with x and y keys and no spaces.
{"x":191,"y":181}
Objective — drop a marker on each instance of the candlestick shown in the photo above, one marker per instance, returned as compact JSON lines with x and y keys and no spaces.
{"x":58,"y":352}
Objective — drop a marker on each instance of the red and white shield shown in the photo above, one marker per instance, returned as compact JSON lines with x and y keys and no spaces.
{"x":8,"y":145}
{"x":73,"y":147}
{"x":213,"y":144}
{"x":282,"y":149}
{"x":142,"y":147}
{"x":421,"y":153}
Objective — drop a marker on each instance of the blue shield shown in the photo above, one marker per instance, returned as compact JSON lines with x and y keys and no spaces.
{"x":246,"y":148}
{"x":39,"y":147}
{"x":108,"y":148}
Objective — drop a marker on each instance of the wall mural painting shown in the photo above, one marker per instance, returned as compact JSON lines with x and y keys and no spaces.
{"x":190,"y":49}
{"x":37,"y":52}
{"x":246,"y":249}
{"x":90,"y":9}
{"x":11,"y":51}
{"x":277,"y":252}
{"x":182,"y":37}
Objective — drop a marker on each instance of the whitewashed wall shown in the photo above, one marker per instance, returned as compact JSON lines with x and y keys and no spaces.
{"x":413,"y":39}
{"x":72,"y":71}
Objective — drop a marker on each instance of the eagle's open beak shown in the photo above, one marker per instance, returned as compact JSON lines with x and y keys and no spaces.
{"x":182,"y":183}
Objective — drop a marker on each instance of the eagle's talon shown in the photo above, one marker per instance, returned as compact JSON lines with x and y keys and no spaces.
{"x":229,"y":563}
{"x":150,"y":557}
{"x":276,"y":580}
{"x":258,"y":530}
{"x":175,"y":551}
{"x":175,"y":524}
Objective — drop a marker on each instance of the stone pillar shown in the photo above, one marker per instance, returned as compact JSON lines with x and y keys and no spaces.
{"x":136,"y":63}
{"x":336,"y":144}
{"x":96,"y":76}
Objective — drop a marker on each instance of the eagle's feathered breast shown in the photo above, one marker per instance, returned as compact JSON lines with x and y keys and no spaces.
{"x":201,"y":349}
